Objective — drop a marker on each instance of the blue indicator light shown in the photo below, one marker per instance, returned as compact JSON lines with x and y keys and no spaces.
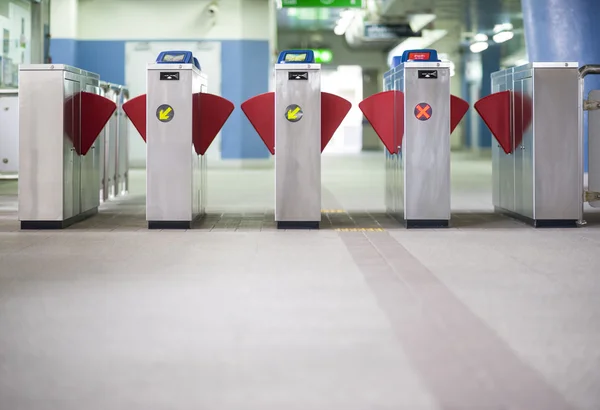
{"x":296,"y":57}
{"x":175,"y":57}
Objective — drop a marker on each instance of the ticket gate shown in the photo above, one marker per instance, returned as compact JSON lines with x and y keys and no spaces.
{"x":178,"y":120}
{"x":61,"y":115}
{"x":535,"y":115}
{"x":414,"y":117}
{"x":296,"y":122}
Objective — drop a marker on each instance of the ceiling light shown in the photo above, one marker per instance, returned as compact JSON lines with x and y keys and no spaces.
{"x":479,"y":46}
{"x":503,"y":36}
{"x":480,"y":37}
{"x":344,"y":22}
{"x":339,"y":30}
{"x":502,"y":27}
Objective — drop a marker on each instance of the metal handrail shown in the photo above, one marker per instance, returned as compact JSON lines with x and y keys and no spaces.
{"x":589,"y":69}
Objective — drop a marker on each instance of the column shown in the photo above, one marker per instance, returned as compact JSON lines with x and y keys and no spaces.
{"x":40,"y":28}
{"x":558,"y":30}
{"x":247,"y":67}
{"x":63,"y":29}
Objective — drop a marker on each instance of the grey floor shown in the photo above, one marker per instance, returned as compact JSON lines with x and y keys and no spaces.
{"x":362,"y":314}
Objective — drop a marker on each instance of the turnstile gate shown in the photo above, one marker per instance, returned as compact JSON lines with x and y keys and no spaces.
{"x":535,"y":114}
{"x":178,"y":120}
{"x":414,"y":118}
{"x":296,"y":122}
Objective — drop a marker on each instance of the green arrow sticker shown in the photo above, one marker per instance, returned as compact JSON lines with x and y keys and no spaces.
{"x":165,"y":113}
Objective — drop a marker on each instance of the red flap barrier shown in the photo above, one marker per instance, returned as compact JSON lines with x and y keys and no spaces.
{"x":86,"y":114}
{"x":210,"y":113}
{"x":495,"y":112}
{"x":135,"y":109}
{"x":458,"y":109}
{"x":96,"y":110}
{"x":260,"y":111}
{"x":379,"y":110}
{"x":333,"y":111}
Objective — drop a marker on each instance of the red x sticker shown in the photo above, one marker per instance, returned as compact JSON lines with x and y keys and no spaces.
{"x":423,"y":111}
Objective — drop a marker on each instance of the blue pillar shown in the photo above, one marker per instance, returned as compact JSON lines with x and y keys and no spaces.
{"x":559,"y":30}
{"x":488,"y":14}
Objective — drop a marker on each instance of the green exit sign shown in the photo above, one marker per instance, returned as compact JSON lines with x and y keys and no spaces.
{"x":322,"y":3}
{"x":323,"y":56}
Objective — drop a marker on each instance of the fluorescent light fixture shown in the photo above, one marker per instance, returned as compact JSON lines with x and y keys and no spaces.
{"x":292,"y":12}
{"x":503,"y":36}
{"x":502,"y":27}
{"x":479,"y":46}
{"x":372,"y":6}
{"x":418,"y":21}
{"x":344,"y":22}
{"x":428,"y":37}
{"x":480,"y":37}
{"x":347,"y":14}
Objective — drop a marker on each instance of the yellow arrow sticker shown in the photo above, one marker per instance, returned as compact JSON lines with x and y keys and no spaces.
{"x":293,"y":113}
{"x":165,"y":113}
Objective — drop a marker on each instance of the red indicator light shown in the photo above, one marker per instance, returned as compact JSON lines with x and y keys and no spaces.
{"x":419,"y":56}
{"x":423,"y":112}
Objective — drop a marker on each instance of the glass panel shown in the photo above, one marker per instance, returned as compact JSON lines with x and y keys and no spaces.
{"x":15,"y":25}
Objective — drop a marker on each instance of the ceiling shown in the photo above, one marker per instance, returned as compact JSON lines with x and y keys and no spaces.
{"x":308,"y":18}
{"x":472,"y":15}
{"x":455,"y":24}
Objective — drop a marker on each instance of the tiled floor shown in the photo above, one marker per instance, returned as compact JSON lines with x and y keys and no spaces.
{"x":488,"y":314}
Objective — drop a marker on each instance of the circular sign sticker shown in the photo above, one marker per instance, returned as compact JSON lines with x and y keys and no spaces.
{"x":293,"y":113}
{"x":423,"y":111}
{"x":165,"y":113}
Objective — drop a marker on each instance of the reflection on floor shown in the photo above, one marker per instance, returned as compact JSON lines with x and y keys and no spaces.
{"x":353,"y":197}
{"x":362,"y":314}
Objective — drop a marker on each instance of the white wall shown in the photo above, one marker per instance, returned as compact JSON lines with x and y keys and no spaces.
{"x":63,"y":18}
{"x":172,"y":19}
{"x":346,"y":82}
